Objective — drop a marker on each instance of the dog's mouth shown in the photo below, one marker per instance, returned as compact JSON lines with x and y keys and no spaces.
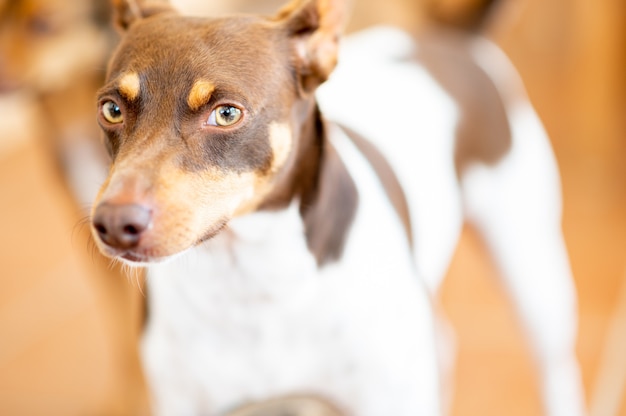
{"x":136,"y":258}
{"x":215,"y":230}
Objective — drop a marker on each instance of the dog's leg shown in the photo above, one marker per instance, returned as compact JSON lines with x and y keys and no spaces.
{"x":516,"y":207}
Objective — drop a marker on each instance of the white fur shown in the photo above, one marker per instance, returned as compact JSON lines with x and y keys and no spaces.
{"x":226,"y":328}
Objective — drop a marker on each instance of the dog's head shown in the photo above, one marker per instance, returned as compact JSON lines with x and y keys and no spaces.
{"x":46,"y":44}
{"x":203,"y":119}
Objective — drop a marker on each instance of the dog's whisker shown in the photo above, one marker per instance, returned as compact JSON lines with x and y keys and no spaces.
{"x":113,"y":263}
{"x":79,"y":226}
{"x":134,"y":277}
{"x":128,"y":272}
{"x":86,"y":211}
{"x":93,"y":249}
{"x":139,"y":285}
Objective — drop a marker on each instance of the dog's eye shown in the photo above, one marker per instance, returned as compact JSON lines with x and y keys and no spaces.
{"x":112,"y":112}
{"x":224,"y":116}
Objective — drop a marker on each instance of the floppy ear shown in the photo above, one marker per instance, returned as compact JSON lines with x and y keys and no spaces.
{"x":314,"y":27}
{"x":126,"y":12}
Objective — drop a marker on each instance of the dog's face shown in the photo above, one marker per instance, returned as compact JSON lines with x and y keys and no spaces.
{"x":201,"y":118}
{"x":44,"y":44}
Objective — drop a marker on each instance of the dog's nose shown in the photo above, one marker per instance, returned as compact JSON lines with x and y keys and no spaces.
{"x":121,"y":226}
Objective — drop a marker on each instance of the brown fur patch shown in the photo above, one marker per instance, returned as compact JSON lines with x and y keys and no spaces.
{"x":483,"y":132}
{"x":329,"y":209}
{"x":200,"y":94}
{"x":281,"y":142}
{"x":129,"y":86}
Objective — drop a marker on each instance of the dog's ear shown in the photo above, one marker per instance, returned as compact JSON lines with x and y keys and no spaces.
{"x":314,"y":27}
{"x":126,"y":12}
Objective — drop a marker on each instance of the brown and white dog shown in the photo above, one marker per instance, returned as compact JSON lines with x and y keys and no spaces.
{"x":289,"y":255}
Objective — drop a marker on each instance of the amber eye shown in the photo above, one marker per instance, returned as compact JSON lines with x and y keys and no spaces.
{"x":112,"y":112}
{"x":224,"y":116}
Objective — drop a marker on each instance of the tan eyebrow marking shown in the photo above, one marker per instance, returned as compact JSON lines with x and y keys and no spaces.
{"x":129,"y":86}
{"x":200,"y":94}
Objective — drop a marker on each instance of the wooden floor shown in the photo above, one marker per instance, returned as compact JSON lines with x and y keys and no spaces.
{"x":68,"y":324}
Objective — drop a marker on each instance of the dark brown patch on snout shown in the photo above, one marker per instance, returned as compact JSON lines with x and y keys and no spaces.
{"x":483,"y":132}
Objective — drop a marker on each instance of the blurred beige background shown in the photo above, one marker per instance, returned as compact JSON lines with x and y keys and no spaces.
{"x":69,"y":323}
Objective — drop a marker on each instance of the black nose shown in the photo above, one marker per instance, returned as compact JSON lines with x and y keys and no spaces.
{"x":121,"y":226}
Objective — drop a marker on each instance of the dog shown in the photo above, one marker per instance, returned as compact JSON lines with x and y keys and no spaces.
{"x":55,"y":52}
{"x":293,"y":251}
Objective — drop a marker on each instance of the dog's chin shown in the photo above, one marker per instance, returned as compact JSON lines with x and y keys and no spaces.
{"x":138,"y":256}
{"x":138,"y":260}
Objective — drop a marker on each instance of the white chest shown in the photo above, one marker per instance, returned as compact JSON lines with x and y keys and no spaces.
{"x":249,"y":315}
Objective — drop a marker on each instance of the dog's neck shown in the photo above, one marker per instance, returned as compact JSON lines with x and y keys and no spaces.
{"x":319,"y":180}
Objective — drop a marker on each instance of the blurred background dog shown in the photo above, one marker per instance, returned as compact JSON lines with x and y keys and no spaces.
{"x":55,"y":52}
{"x":68,"y":324}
